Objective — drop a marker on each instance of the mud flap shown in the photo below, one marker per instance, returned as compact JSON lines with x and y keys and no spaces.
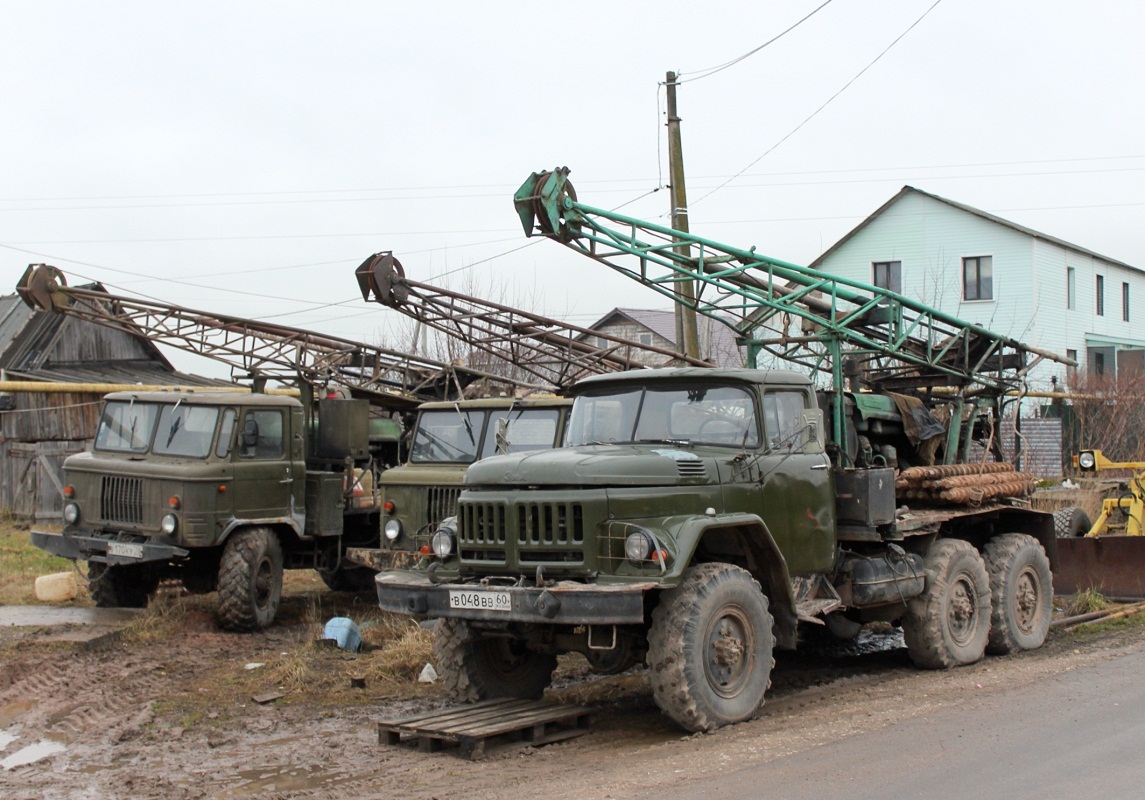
{"x":1113,"y":565}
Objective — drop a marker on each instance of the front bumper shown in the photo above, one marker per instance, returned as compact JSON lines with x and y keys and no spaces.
{"x":95,"y":548}
{"x":379,"y":560}
{"x":563,"y":603}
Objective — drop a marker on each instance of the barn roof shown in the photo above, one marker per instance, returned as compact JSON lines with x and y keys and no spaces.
{"x":40,"y":346}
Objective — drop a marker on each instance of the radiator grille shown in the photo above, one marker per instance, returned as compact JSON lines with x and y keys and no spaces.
{"x":529,"y":533}
{"x":121,"y":500}
{"x":441,"y":502}
{"x":481,"y":523}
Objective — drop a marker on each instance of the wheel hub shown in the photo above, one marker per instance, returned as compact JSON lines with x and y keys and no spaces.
{"x":1026,"y":601}
{"x":728,"y":658}
{"x":962,"y":611}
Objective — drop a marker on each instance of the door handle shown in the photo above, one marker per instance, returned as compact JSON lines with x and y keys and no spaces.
{"x":820,"y":466}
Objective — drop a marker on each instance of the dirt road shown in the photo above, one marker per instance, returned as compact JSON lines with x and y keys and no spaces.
{"x":163,"y":719}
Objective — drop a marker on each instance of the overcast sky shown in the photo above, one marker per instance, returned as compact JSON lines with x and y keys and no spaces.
{"x":244,"y":157}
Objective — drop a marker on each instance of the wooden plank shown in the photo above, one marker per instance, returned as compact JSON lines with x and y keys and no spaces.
{"x":493,"y":723}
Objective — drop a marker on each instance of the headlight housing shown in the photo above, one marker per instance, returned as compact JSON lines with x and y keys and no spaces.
{"x":72,"y":513}
{"x":638,"y":545}
{"x":443,"y":543}
{"x":392,"y":529}
{"x":169,"y":524}
{"x":1086,"y":460}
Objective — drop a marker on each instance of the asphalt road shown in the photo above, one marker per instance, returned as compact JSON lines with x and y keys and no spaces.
{"x":1077,"y":734}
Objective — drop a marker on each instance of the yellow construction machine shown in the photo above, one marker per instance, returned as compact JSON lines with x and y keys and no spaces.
{"x":1107,"y":553}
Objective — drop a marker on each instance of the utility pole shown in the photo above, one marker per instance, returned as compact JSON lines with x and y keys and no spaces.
{"x":687,"y":334}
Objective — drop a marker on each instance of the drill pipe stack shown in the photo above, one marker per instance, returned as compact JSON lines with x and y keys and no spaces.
{"x":963,"y":483}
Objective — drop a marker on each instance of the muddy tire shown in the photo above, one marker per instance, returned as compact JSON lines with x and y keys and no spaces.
{"x":1021,"y":592}
{"x":1070,"y":522}
{"x":949,"y":623}
{"x":475,"y":667}
{"x":120,"y":586}
{"x":348,"y":579}
{"x":710,"y":648}
{"x":250,"y":580}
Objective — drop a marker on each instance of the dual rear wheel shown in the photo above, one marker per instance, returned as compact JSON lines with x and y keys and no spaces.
{"x":999,"y":601}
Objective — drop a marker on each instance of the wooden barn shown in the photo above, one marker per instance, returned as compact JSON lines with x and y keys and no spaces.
{"x":54,"y":371}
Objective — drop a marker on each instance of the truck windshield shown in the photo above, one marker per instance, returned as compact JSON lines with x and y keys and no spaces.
{"x":453,"y":436}
{"x":695,"y":414}
{"x":185,"y":431}
{"x":170,"y":429}
{"x":524,"y":429}
{"x":447,"y":436}
{"x":126,"y":426}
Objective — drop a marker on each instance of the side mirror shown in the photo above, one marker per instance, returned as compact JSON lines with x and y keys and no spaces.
{"x":250,"y":434}
{"x":813,"y":430}
{"x":502,"y":435}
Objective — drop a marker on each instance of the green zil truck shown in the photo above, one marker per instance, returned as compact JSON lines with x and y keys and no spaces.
{"x":692,"y":520}
{"x":223,"y":490}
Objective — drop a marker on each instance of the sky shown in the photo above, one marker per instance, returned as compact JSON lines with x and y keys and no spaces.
{"x":243,"y":158}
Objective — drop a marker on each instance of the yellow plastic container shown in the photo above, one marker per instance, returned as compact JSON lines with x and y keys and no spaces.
{"x":57,"y":587}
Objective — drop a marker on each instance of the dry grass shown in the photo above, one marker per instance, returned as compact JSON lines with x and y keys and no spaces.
{"x":164,"y":617}
{"x":1086,"y":602}
{"x":21,"y":564}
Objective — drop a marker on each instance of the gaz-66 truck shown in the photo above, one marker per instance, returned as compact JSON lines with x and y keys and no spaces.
{"x":221,"y":490}
{"x":696,"y":516}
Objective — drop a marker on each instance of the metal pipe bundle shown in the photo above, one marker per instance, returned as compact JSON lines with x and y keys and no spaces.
{"x":963,"y":483}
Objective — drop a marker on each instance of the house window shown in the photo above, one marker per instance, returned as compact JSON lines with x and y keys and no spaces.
{"x":1100,"y":296}
{"x":887,"y":275}
{"x":645,"y":338}
{"x":1125,"y":302}
{"x":1099,"y":363}
{"x":1072,"y":356}
{"x":978,"y":278}
{"x":1070,"y":288}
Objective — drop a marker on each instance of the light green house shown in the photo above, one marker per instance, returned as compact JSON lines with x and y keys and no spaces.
{"x":1011,"y":279}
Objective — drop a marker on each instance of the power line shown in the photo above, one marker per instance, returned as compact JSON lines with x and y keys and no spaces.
{"x":706,"y":73}
{"x":823,"y":106}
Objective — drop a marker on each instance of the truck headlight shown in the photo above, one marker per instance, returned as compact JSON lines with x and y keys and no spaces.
{"x":638,"y":545}
{"x":443,"y":543}
{"x":169,"y":524}
{"x":1086,"y":460}
{"x":72,"y":513}
{"x":392,"y":529}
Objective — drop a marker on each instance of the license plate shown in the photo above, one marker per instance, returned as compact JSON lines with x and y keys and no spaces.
{"x":125,"y":549}
{"x":480,"y":600}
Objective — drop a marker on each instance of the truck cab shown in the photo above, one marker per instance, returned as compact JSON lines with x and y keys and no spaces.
{"x":446,"y":438}
{"x":221,"y":490}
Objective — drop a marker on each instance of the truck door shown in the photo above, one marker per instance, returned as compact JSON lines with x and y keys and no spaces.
{"x":264,"y":484}
{"x":792,"y":480}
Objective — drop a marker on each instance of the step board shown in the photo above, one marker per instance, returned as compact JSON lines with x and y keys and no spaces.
{"x":479,"y":727}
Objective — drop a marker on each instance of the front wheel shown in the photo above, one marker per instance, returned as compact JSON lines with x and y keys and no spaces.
{"x":474,"y":667}
{"x":710,"y":648}
{"x":1021,"y":593}
{"x":948,"y":624}
{"x":250,"y":580}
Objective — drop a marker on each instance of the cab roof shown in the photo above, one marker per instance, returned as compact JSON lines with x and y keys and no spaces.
{"x":206,"y":398}
{"x":770,"y":377}
{"x":497,"y":403}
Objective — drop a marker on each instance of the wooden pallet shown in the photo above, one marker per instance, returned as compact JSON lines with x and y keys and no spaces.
{"x":478,"y":727}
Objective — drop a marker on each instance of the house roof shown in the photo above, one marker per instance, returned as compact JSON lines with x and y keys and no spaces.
{"x":717,"y":342}
{"x":906,"y":190}
{"x":28,"y":340}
